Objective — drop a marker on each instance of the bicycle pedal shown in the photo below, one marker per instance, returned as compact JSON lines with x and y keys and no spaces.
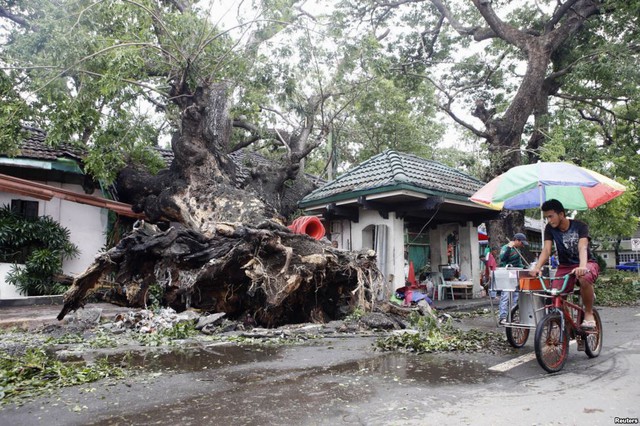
{"x":580,"y":343}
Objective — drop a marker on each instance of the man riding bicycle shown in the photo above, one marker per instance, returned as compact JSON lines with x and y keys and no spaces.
{"x":571,"y":238}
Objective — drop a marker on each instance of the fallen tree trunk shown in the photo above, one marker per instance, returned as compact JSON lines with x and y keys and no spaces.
{"x":267,"y":272}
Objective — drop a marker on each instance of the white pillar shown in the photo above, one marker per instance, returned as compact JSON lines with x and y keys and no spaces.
{"x":470,"y":254}
{"x":396,"y":240}
{"x":437,"y":255}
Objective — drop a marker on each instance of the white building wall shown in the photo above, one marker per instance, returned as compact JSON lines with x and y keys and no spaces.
{"x":340,"y":231}
{"x":394,"y":256}
{"x":470,"y":255}
{"x":396,"y":238}
{"x":438,"y":245}
{"x":8,"y":291}
{"x":609,"y":256}
{"x":87,"y":225}
{"x":350,"y":237}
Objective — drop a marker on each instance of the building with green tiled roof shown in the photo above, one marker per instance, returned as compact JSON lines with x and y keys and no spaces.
{"x":394,"y":171}
{"x":394,"y":201}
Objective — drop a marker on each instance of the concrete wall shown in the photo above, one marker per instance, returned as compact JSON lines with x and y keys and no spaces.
{"x":8,"y":291}
{"x":609,"y":256}
{"x":87,"y":225}
{"x":470,"y":255}
{"x":393,"y":259}
{"x":358,"y":236}
{"x":340,"y":231}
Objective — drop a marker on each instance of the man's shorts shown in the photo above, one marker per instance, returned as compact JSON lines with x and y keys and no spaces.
{"x":591,"y":276}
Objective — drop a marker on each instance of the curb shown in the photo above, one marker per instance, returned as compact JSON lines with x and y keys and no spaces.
{"x":31,"y":301}
{"x":463,"y":306}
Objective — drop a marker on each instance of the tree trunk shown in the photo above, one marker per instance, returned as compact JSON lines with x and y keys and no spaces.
{"x":505,"y":135}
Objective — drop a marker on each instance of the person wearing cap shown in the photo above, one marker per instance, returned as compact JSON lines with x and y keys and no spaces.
{"x":510,"y":256}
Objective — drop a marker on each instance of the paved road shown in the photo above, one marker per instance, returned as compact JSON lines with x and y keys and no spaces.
{"x":342,"y":381}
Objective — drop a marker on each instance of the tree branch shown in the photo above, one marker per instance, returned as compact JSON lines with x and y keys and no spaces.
{"x":258,"y":134}
{"x":457,"y":25}
{"x":428,"y":45}
{"x":558,"y":14}
{"x":245,"y":143}
{"x":506,"y":32}
{"x":590,"y":100}
{"x":608,"y":139}
{"x":447,"y":107}
{"x":279,"y":114}
{"x":4,"y":13}
{"x":574,"y":18}
{"x":585,"y":58}
{"x":182,"y":6}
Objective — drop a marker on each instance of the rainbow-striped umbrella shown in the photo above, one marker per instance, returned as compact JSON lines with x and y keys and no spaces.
{"x":528,"y":186}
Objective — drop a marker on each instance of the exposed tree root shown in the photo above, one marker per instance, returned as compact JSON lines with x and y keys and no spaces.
{"x":267,"y":272}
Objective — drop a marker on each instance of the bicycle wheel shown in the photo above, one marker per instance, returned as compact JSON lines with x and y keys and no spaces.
{"x":551,"y":343}
{"x":516,"y":336}
{"x":593,"y":339}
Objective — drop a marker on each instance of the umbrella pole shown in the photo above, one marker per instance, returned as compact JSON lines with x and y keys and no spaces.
{"x":542,"y":224}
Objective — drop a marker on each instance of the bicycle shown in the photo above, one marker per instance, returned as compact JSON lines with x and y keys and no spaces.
{"x":560,"y":324}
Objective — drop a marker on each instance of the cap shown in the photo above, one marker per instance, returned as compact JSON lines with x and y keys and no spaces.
{"x":521,"y":237}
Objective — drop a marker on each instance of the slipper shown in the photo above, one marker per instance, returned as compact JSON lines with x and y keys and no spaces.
{"x":588,"y":325}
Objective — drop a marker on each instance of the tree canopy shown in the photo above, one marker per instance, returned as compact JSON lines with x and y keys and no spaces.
{"x":111,"y":75}
{"x":534,"y":80}
{"x":543,"y":80}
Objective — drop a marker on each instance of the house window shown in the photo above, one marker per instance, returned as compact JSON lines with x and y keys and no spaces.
{"x":627,"y":257}
{"x":28,"y":209}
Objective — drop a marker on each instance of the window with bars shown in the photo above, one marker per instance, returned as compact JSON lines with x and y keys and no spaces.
{"x":628,"y":257}
{"x":24,"y":208}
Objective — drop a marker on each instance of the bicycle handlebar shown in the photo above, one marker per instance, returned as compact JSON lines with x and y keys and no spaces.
{"x":551,"y":279}
{"x":564,"y":284}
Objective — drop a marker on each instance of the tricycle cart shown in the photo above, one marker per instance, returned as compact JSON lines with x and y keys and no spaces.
{"x":530,"y":308}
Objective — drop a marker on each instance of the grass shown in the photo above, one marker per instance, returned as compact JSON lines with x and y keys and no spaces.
{"x":617,"y":289}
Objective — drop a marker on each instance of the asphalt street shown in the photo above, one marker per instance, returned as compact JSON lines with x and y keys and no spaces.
{"x":344,"y":381}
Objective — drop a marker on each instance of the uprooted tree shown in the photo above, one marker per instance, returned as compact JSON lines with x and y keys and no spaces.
{"x":223,"y":246}
{"x":227,"y":250}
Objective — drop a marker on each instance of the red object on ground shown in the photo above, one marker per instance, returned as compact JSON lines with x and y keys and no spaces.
{"x":411,"y":277}
{"x":309,"y":225}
